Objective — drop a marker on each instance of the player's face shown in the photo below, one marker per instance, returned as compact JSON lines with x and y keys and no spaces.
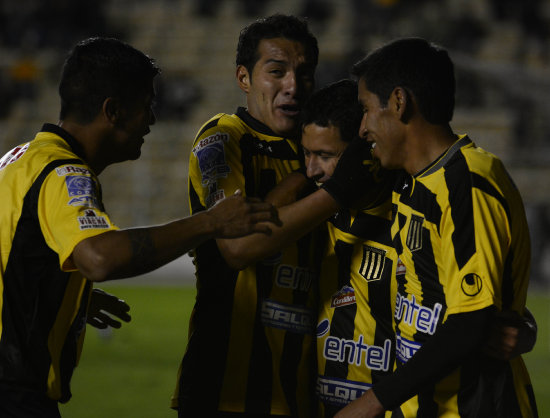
{"x":132,"y":127}
{"x":382,"y":127}
{"x":322,"y":147}
{"x":281,"y":80}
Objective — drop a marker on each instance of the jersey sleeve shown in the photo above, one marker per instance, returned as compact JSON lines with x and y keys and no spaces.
{"x":215,"y":166}
{"x":70,"y":210}
{"x":481,"y":243}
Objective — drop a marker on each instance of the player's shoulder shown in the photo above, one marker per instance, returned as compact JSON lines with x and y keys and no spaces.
{"x":222,"y":127}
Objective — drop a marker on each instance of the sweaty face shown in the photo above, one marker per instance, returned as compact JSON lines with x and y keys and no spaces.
{"x":132,"y":127}
{"x":281,"y":80}
{"x":382,"y":127}
{"x":322,"y":147}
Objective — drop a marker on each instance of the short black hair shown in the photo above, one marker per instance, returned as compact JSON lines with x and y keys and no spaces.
{"x":335,"y":104}
{"x":274,"y":26}
{"x":97,"y":68}
{"x":422,"y":68}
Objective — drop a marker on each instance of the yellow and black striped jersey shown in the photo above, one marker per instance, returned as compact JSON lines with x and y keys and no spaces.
{"x":355,"y":336}
{"x":460,"y":231}
{"x":250,"y":347}
{"x":51,"y":200}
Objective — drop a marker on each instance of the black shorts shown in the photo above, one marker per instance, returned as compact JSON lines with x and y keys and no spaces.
{"x":21,"y":403}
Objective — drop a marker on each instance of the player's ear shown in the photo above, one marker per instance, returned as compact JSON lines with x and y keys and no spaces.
{"x":400,"y":102}
{"x":243,"y":78}
{"x":111,"y":109}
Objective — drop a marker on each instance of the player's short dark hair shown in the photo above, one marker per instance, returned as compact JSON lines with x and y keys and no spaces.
{"x":422,"y":68}
{"x":336,"y":105}
{"x":274,"y":26}
{"x":98,"y":68}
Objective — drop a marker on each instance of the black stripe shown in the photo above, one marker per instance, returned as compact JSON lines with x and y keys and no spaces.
{"x":341,"y":220}
{"x":260,"y":371}
{"x":379,"y":296}
{"x":425,"y":268}
{"x":424,"y":201}
{"x":203,"y":366}
{"x":371,"y":227}
{"x":342,"y":324}
{"x":310,"y":253}
{"x":458,"y":183}
{"x":34,"y":288}
{"x":69,"y":351}
{"x":485,"y":186}
{"x":209,"y":125}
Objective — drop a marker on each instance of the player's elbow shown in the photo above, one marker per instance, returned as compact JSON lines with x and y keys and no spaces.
{"x":92,"y":261}
{"x":236,"y":256}
{"x":235,"y":261}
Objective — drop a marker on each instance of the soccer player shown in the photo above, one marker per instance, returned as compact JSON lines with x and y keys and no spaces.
{"x":355,"y":338}
{"x":459,"y":230}
{"x":250,"y":341}
{"x":56,"y":238}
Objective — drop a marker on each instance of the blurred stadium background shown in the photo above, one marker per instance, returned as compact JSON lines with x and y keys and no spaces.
{"x":502,"y":53}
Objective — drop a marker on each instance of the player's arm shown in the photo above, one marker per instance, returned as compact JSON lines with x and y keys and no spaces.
{"x":297,"y":219}
{"x":349,"y":182}
{"x":125,"y":253}
{"x":458,"y":338}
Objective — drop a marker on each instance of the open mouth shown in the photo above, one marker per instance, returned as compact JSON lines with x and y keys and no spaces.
{"x":290,"y":110}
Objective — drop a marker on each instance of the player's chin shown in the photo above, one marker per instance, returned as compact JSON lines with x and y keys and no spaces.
{"x":134,"y":154}
{"x":287,"y":126}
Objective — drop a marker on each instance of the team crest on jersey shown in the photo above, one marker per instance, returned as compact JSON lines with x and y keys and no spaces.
{"x":13,"y":155}
{"x":345,"y":296}
{"x":210,"y":154}
{"x":80,"y":185}
{"x":471,"y":284}
{"x":91,"y":220}
{"x":372,"y":265}
{"x":414,"y":235}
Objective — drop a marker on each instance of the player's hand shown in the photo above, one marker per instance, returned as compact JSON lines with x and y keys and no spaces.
{"x":366,"y":406}
{"x":511,"y":335}
{"x":103,"y":306}
{"x":358,"y":178}
{"x":237,"y":216}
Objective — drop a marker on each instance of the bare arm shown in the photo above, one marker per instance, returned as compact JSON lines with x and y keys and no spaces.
{"x":297,"y":219}
{"x":130,"y":252}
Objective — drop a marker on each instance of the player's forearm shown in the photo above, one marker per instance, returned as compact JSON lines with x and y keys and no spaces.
{"x":126,"y":253}
{"x":297,"y":219}
{"x":460,"y":336}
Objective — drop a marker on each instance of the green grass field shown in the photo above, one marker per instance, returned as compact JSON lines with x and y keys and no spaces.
{"x":131,"y":372}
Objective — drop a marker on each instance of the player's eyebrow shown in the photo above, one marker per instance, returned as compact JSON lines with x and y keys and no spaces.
{"x":275,"y":61}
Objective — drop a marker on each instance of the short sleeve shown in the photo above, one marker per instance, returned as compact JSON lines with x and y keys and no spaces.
{"x":70,"y":210}
{"x":478,"y":282}
{"x":215,"y":166}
